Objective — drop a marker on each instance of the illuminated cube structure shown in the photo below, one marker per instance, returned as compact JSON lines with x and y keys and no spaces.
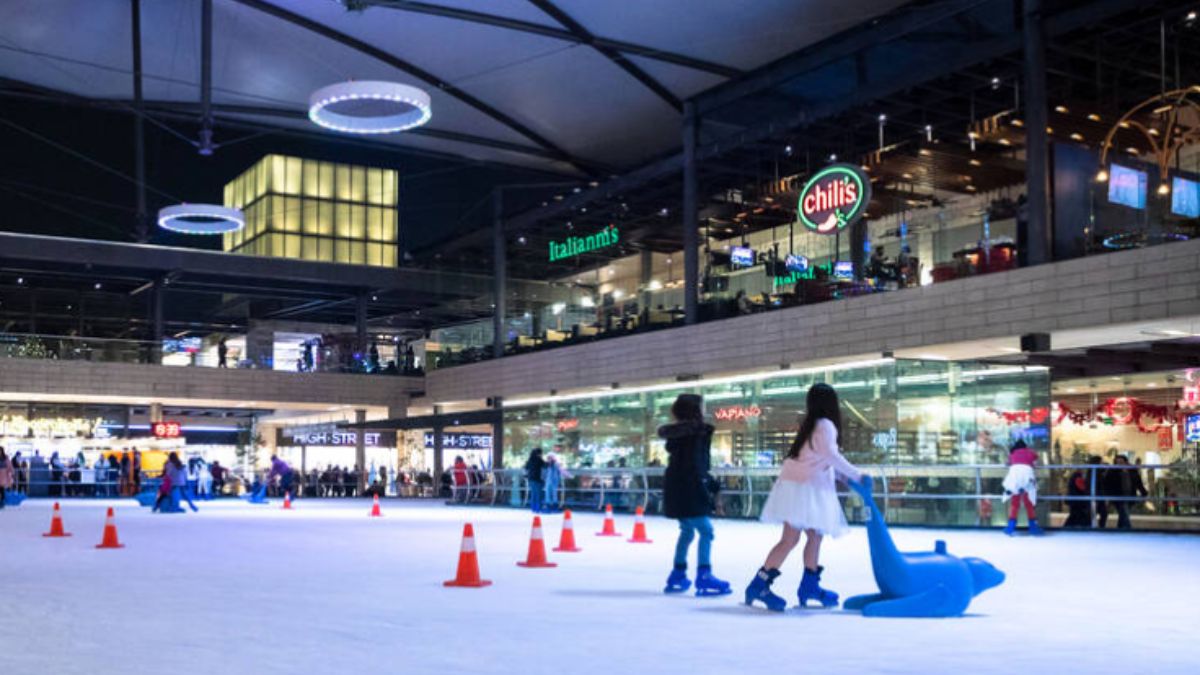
{"x":313,"y":210}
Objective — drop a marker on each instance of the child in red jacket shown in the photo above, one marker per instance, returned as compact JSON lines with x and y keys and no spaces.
{"x":1020,"y":487}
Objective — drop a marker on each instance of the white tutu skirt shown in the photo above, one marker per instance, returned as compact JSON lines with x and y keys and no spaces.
{"x":805,"y":506}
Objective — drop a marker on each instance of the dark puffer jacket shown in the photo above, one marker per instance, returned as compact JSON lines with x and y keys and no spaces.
{"x":685,"y":494}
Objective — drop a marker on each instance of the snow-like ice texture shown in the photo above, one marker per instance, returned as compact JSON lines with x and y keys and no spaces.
{"x":325,"y":589}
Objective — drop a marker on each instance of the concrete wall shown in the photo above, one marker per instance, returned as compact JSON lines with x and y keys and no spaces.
{"x":1155,"y":283}
{"x":81,"y":379}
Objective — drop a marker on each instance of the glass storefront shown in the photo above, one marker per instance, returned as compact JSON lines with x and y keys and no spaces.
{"x":895,"y":411}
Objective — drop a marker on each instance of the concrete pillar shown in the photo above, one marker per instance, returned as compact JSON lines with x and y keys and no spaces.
{"x":646,"y":272}
{"x":438,"y":467}
{"x":1037,"y":151}
{"x":498,"y":434}
{"x":260,"y":345}
{"x":499,"y":273}
{"x":360,"y":449}
{"x":157,"y":320}
{"x":156,"y":414}
{"x":690,"y":217}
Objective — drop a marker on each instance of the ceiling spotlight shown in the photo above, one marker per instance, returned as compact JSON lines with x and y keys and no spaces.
{"x":995,"y":83}
{"x":664,"y":212}
{"x":374,"y":298}
{"x":1164,"y":189}
{"x":521,"y":240}
{"x":833,"y":157}
{"x":576,"y":190}
{"x":1191,"y":16}
{"x":20,"y":281}
{"x":1061,"y":109}
{"x":882,"y":118}
{"x":787,"y":150}
{"x":97,"y":286}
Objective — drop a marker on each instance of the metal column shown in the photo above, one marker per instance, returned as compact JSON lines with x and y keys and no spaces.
{"x":498,"y":433}
{"x":142,"y":218}
{"x":206,"y":41}
{"x":360,"y":449}
{"x":438,"y":469}
{"x":499,"y":273}
{"x":1037,"y":164}
{"x":690,"y":217}
{"x":647,"y":272}
{"x":360,"y":323}
{"x":157,"y":321}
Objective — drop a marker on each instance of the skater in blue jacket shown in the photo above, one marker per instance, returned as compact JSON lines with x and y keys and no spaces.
{"x":686,"y":494}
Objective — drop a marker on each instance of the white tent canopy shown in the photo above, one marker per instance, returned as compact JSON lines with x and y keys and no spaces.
{"x":558,"y":85}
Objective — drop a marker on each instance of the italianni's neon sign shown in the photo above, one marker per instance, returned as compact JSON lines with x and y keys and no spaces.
{"x":573,"y":246}
{"x":834,"y":199}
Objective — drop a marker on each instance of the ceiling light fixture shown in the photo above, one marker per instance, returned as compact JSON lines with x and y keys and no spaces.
{"x":369,"y":107}
{"x":201,"y":219}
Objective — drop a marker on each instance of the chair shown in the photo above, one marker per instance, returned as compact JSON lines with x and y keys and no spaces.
{"x":556,"y":335}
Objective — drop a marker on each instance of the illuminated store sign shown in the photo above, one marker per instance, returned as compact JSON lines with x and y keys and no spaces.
{"x":166,"y":430}
{"x":737,"y":413}
{"x":336,"y":439}
{"x":574,"y":246}
{"x":834,"y":199}
{"x":568,"y":424}
{"x":462,"y":441}
{"x":53,"y":427}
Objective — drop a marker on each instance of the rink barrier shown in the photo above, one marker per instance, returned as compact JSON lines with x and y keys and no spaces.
{"x":911,"y":494}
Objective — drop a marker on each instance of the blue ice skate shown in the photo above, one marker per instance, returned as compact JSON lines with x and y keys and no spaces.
{"x":707,"y":584}
{"x":258,"y":495}
{"x":678,"y":581}
{"x":1035,"y":529}
{"x":1011,"y":528}
{"x":760,"y":590}
{"x":146,"y":497}
{"x":810,"y":589}
{"x":13,"y":498}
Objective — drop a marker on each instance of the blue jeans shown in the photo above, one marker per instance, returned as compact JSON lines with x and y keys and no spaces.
{"x":687,"y":531}
{"x":536,"y":490}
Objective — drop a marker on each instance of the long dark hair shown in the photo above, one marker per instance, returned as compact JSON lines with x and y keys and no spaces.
{"x":687,"y":408}
{"x":822,"y":403}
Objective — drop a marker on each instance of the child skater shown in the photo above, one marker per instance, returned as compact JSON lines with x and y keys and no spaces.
{"x":1020,"y":487}
{"x":805,"y":500}
{"x":686,"y":496}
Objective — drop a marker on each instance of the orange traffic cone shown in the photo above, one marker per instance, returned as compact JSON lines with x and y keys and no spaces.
{"x":639,"y":527}
{"x":375,"y":512}
{"x":110,"y":533}
{"x":468,"y":563}
{"x":537,"y":548}
{"x":566,"y":543}
{"x":287,"y":501}
{"x":610,"y":526}
{"x":56,"y":524}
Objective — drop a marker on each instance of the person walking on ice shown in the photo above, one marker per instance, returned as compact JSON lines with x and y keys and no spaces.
{"x":686,"y":494}
{"x":804,"y":498}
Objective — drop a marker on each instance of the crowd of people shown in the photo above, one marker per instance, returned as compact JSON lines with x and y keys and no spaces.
{"x":1120,"y":484}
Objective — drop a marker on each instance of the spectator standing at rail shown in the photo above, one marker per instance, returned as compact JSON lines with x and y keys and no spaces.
{"x":535,"y":466}
{"x":222,"y":354}
{"x":460,"y":481}
{"x":1078,"y":512}
{"x":555,"y":473}
{"x":1122,"y":481}
{"x":218,"y":477}
{"x":7,"y":478}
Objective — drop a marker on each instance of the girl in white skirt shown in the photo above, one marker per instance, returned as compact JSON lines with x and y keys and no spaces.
{"x":805,"y":500}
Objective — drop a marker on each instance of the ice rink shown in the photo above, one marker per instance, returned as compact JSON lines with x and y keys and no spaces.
{"x":325,"y":589}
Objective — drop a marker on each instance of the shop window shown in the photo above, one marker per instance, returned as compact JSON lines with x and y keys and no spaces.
{"x":293,"y":176}
{"x":278,"y":173}
{"x":308,"y":248}
{"x":312,"y":178}
{"x":389,"y":188}
{"x":374,"y":186}
{"x":260,"y":180}
{"x":374,"y":223}
{"x":325,"y":186}
{"x":276,"y":243}
{"x":342,"y":190}
{"x":341,"y":220}
{"x":358,"y":253}
{"x":341,"y":249}
{"x":374,"y":254}
{"x":311,"y":217}
{"x":389,"y":256}
{"x":292,"y":246}
{"x":390,"y":231}
{"x":291,"y":214}
{"x":325,"y":219}
{"x":358,"y":184}
{"x":325,"y":248}
{"x":358,"y":224}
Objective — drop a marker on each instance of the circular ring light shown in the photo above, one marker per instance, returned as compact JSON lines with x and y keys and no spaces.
{"x":201,"y":219}
{"x":369,"y":107}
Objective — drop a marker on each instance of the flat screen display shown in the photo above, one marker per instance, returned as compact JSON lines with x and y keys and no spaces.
{"x":1127,"y":187}
{"x":741,"y":256}
{"x":1185,"y":197}
{"x":1191,"y":429}
{"x":843,"y":269}
{"x":796,"y":263}
{"x":189,"y":345}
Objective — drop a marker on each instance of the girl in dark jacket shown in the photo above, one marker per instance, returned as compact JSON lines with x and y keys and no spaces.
{"x":686,"y":496}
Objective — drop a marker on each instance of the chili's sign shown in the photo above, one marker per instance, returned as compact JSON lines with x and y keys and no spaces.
{"x":834,"y":198}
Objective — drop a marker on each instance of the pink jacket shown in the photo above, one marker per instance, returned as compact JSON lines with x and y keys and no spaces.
{"x":6,"y":474}
{"x":817,"y":457}
{"x":1023,"y":456}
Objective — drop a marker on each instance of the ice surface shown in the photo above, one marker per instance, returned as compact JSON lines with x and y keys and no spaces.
{"x":325,"y":589}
